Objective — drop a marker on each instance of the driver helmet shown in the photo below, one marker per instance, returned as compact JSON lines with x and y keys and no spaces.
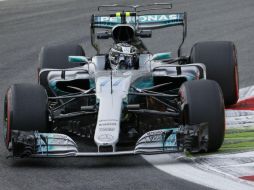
{"x":123,"y":56}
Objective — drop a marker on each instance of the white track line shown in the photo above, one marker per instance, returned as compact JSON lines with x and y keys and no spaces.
{"x":188,"y":171}
{"x":246,"y":92}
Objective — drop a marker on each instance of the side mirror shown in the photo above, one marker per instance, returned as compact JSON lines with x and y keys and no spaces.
{"x":162,"y":56}
{"x":144,"y":33}
{"x":78,"y":59}
{"x":103,"y":35}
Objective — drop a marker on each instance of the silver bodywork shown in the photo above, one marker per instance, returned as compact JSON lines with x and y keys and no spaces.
{"x":112,"y":88}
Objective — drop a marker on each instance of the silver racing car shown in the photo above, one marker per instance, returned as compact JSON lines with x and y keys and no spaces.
{"x":127,"y":101}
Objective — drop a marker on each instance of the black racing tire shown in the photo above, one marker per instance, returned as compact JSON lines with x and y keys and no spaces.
{"x":25,"y":109}
{"x":56,"y":57}
{"x":220,"y":59}
{"x":202,"y":102}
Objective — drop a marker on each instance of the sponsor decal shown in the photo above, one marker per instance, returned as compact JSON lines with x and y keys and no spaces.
{"x":145,"y":20}
{"x":108,"y":129}
{"x":141,"y":19}
{"x":106,"y":137}
{"x":115,"y":82}
{"x":104,"y":82}
{"x":106,"y":120}
{"x":154,"y":136}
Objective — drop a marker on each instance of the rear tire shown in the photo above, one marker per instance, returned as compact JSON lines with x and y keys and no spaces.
{"x":25,"y":109}
{"x":56,"y":57}
{"x":202,"y":102}
{"x":220,"y":59}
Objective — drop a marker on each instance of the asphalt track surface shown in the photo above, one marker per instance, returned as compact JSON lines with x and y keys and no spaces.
{"x":26,"y":25}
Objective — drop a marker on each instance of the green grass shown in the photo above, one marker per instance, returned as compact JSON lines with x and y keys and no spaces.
{"x":240,"y":135}
{"x":238,"y":139}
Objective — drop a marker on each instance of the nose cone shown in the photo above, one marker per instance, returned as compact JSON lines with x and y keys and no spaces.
{"x":110,"y":109}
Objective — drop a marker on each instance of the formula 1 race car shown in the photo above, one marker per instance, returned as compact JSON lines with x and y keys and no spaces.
{"x":126,"y":101}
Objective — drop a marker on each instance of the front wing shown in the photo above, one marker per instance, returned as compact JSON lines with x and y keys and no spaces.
{"x":192,"y":138}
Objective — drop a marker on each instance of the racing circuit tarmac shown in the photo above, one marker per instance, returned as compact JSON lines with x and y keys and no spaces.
{"x":26,"y":25}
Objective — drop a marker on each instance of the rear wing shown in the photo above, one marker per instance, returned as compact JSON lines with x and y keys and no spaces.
{"x":147,"y":21}
{"x":131,"y":14}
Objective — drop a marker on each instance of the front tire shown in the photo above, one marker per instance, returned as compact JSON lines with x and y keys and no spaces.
{"x":202,"y":102}
{"x":25,"y":109}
